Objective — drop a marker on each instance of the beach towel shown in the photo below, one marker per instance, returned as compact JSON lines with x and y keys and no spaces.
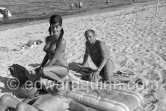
{"x":115,"y":99}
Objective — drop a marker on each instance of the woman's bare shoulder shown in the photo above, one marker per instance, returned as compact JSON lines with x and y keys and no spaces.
{"x":63,"y":41}
{"x":100,"y":42}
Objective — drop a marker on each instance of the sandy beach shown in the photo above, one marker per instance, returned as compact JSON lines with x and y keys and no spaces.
{"x":135,"y":36}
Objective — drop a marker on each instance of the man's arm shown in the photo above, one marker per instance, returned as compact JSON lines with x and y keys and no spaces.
{"x":104,"y":56}
{"x":85,"y":55}
{"x":75,"y":106}
{"x":61,"y":46}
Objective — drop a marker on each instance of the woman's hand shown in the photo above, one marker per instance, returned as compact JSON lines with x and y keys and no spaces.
{"x":38,"y":70}
{"x":95,"y":76}
{"x":81,"y":64}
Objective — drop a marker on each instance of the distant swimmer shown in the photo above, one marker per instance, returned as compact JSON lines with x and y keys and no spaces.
{"x":108,"y":1}
{"x":4,"y":13}
{"x":72,"y":5}
{"x":78,"y":4}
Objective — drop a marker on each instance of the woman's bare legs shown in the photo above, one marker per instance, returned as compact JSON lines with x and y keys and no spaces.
{"x":54,"y":72}
{"x":49,"y":72}
{"x":7,"y":101}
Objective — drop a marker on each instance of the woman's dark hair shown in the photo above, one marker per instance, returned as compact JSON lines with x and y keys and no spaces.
{"x":62,"y":33}
{"x":49,"y":30}
{"x":60,"y":36}
{"x":55,"y":19}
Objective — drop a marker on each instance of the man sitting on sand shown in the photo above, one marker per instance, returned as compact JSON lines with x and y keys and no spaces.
{"x":100,"y":57}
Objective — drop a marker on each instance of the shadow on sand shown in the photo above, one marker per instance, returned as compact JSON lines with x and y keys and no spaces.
{"x":7,"y":85}
{"x":34,"y":65}
{"x":83,"y":72}
{"x":80,"y":69}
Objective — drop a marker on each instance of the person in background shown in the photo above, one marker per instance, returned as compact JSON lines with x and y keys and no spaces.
{"x":99,"y":55}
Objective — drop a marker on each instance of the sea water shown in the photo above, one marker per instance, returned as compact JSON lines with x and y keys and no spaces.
{"x":28,"y":10}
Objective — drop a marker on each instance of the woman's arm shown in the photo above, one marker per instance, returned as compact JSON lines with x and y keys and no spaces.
{"x":44,"y":61}
{"x":104,"y":56}
{"x":45,"y":49}
{"x":85,"y":55}
{"x":60,"y":47}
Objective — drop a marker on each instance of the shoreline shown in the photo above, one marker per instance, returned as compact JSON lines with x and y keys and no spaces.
{"x":75,"y":15}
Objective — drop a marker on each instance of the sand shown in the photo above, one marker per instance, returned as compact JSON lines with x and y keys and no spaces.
{"x":135,"y":36}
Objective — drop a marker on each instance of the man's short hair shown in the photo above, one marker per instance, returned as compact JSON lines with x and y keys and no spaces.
{"x":89,"y":30}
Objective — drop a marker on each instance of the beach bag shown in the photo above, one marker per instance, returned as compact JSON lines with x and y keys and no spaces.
{"x":19,"y":72}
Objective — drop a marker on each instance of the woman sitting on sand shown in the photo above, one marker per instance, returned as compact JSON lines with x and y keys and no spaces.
{"x":54,"y":65}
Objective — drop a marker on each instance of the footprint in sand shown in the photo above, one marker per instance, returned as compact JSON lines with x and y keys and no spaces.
{"x":4,"y":49}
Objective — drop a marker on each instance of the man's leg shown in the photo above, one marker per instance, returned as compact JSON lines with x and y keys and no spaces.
{"x":54,"y":72}
{"x":7,"y":101}
{"x":108,"y":73}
